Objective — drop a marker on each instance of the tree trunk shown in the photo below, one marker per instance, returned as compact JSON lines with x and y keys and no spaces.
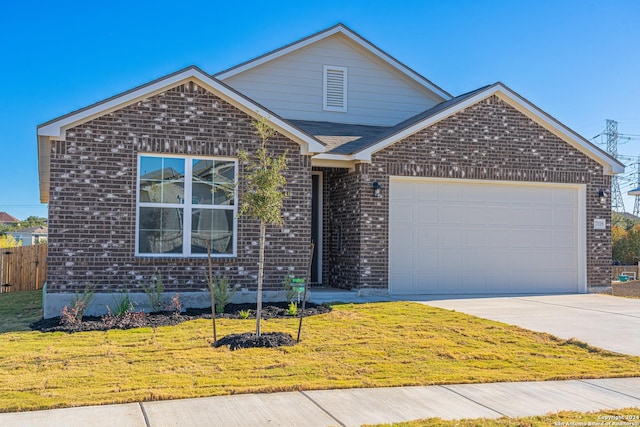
{"x":211,"y":293}
{"x":263,"y":232}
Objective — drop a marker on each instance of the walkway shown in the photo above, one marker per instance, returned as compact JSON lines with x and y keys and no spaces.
{"x":350,"y":407}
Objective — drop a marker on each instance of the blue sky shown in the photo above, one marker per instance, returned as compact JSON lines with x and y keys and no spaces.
{"x":577,"y":60}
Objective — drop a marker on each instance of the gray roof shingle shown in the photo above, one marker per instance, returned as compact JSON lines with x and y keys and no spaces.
{"x":342,"y":138}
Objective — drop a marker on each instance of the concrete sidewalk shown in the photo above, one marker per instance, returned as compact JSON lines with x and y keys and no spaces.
{"x":350,"y":407}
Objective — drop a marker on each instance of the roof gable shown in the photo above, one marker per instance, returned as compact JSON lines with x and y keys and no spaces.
{"x":298,"y":80}
{"x":6,"y":218}
{"x":363,"y":149}
{"x":56,"y":129}
{"x":349,"y":34}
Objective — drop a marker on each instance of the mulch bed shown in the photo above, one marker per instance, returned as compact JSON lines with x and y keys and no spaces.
{"x":138,"y":320}
{"x":251,"y":340}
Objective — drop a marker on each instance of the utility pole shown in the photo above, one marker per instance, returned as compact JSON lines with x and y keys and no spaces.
{"x":617,"y":203}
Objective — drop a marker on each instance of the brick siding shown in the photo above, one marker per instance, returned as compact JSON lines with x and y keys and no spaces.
{"x":341,"y":227}
{"x":489,"y":140}
{"x":93,"y":196}
{"x":93,"y":190}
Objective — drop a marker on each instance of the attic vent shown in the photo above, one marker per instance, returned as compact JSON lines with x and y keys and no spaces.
{"x":335,"y":88}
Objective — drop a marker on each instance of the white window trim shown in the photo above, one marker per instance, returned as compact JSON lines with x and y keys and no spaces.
{"x":325,"y":70}
{"x":187,"y":207}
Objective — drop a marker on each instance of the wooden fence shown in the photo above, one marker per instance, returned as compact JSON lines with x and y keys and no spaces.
{"x":618,"y":270}
{"x":23,"y":268}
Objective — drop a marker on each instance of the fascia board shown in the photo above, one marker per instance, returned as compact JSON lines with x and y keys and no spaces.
{"x":44,"y":165}
{"x":560,"y":130}
{"x":399,"y":66}
{"x":276,"y":54}
{"x":56,"y":129}
{"x":329,"y":156}
{"x":329,"y":163}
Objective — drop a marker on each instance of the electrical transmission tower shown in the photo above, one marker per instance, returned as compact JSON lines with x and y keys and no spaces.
{"x":636,"y":191}
{"x":617,"y":203}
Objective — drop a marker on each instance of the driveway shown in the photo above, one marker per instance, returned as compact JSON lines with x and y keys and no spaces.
{"x":611,"y":323}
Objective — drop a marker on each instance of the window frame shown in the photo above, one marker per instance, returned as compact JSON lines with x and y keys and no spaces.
{"x":187,"y":206}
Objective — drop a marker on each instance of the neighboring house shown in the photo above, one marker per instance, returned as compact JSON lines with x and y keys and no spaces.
{"x":403,"y":187}
{"x":30,"y":236}
{"x":6,"y":219}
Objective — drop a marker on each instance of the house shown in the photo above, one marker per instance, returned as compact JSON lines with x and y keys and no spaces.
{"x":6,"y":219}
{"x":403,"y":187}
{"x":30,"y":236}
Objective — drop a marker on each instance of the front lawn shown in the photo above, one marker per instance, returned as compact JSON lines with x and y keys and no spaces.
{"x":19,"y":309}
{"x":369,"y":345}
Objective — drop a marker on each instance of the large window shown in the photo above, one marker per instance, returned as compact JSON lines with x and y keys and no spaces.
{"x":182,"y":203}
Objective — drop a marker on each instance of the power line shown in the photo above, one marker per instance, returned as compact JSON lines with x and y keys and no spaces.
{"x":44,"y":205}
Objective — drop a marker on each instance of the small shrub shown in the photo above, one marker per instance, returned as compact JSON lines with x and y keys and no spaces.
{"x":154,"y":292}
{"x":73,"y":315}
{"x":176,"y":305}
{"x":70,"y":315}
{"x":122,"y":306}
{"x":287,"y":285}
{"x":244,"y":314}
{"x":293,"y":309}
{"x":130,"y":319}
{"x":222,"y":292}
{"x":109,"y":320}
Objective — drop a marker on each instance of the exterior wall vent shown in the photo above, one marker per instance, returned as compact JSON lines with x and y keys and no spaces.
{"x":334,"y":88}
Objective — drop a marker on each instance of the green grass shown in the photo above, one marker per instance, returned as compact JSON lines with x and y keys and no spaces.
{"x":620,"y":417}
{"x":368,"y":345}
{"x":19,"y":309}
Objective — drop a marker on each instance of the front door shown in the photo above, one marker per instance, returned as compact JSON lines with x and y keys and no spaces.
{"x":316,"y":227}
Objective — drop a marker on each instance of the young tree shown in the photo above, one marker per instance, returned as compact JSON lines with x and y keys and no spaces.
{"x":212,"y":294}
{"x":263,"y":194}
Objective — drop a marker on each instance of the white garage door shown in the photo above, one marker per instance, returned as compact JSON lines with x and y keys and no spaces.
{"x":477,"y":237}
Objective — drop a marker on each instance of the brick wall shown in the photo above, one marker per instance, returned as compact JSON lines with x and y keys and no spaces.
{"x":93,"y":190}
{"x":488,"y":140}
{"x":341,"y":227}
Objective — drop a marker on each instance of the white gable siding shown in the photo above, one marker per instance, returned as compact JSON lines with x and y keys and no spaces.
{"x":292,"y":86}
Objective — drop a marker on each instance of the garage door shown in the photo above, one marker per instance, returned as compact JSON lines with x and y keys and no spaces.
{"x":477,"y":237}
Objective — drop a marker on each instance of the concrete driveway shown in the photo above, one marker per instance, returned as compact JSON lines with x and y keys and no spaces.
{"x":611,"y":323}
